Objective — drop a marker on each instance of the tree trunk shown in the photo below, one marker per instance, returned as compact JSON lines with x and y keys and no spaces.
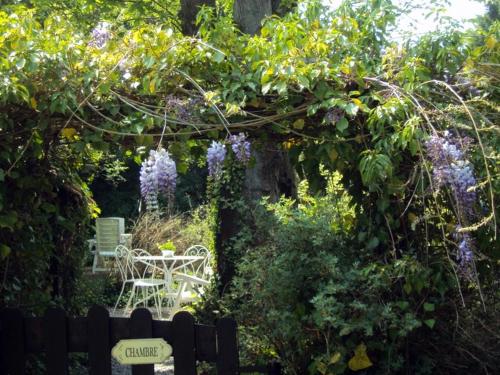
{"x":189,"y":11}
{"x":271,"y":175}
{"x":248,"y":14}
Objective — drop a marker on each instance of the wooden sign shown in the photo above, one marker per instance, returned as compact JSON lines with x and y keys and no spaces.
{"x":141,"y":351}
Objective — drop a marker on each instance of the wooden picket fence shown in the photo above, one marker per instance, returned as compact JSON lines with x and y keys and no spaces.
{"x":57,"y":335}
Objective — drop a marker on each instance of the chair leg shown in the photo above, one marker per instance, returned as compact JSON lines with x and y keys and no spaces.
{"x":130,"y":300}
{"x":118,"y":300}
{"x":94,"y":263}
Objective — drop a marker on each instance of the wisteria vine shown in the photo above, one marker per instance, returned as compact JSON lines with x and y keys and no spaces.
{"x":216,"y":153}
{"x":452,"y":169}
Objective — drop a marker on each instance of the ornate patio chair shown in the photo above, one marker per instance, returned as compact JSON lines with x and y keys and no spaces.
{"x":147,"y":281}
{"x":202,"y":269}
{"x":194,"y":278}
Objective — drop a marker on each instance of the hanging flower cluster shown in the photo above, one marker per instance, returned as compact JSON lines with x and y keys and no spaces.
{"x":100,"y":35}
{"x":240,"y":147}
{"x":452,"y":169}
{"x":158,"y":175}
{"x":216,"y":153}
{"x":464,"y":251}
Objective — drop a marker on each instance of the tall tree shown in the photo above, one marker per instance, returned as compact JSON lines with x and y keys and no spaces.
{"x":271,"y":175}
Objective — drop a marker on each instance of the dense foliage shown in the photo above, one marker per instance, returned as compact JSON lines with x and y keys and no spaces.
{"x":411,"y":128}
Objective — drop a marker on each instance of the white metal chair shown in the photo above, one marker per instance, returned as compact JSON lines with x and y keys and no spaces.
{"x":110,"y":232}
{"x":194,"y":278}
{"x":146,"y":279}
{"x":202,"y":269}
{"x":123,"y":261}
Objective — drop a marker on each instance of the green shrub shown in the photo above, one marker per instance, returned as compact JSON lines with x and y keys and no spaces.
{"x":310,"y":297}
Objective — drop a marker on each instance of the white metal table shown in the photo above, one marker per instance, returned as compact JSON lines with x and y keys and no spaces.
{"x":168,"y":265}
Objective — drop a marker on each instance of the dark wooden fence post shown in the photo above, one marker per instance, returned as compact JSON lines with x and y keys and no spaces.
{"x":274,"y":368}
{"x":55,"y":341}
{"x":141,"y":327}
{"x":99,"y":347}
{"x":184,"y":344}
{"x":227,"y":347}
{"x":12,"y":342}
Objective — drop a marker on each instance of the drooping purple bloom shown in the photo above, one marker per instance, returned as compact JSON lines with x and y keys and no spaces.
{"x":241,"y":147}
{"x":216,"y":154}
{"x":166,"y":172}
{"x":100,"y":35}
{"x":149,"y":182}
{"x":464,"y":251}
{"x":158,"y":175}
{"x":452,"y":169}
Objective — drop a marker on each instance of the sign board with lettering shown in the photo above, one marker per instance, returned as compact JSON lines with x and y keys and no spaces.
{"x":141,"y":351}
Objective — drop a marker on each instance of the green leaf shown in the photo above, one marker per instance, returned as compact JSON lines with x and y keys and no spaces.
{"x":298,"y":124}
{"x":8,"y":220}
{"x":4,"y":251}
{"x":373,"y":243}
{"x":303,"y":81}
{"x":429,"y":307}
{"x":342,"y":124}
{"x":2,"y":175}
{"x":20,"y":63}
{"x":351,"y":109}
{"x":430,"y":323}
{"x":266,"y":88}
{"x":218,"y":57}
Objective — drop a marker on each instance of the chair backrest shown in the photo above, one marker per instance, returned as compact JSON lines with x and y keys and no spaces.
{"x":123,"y":257}
{"x":142,"y":269}
{"x":108,"y":232}
{"x":200,"y":269}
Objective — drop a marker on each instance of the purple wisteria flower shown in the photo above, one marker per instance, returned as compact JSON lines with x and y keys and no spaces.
{"x":100,"y":35}
{"x":216,"y":154}
{"x":166,"y":172}
{"x":149,"y":182}
{"x":452,"y":169}
{"x":464,"y":251}
{"x":158,"y":175}
{"x":241,"y":147}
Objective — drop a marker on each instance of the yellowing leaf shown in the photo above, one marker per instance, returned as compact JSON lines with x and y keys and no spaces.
{"x":335,"y":358}
{"x":152,"y":86}
{"x":358,"y":102}
{"x":298,"y":124}
{"x":412,"y":217}
{"x":490,"y":42}
{"x":360,"y":360}
{"x":68,"y":132}
{"x":345,"y":69}
{"x":33,"y":103}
